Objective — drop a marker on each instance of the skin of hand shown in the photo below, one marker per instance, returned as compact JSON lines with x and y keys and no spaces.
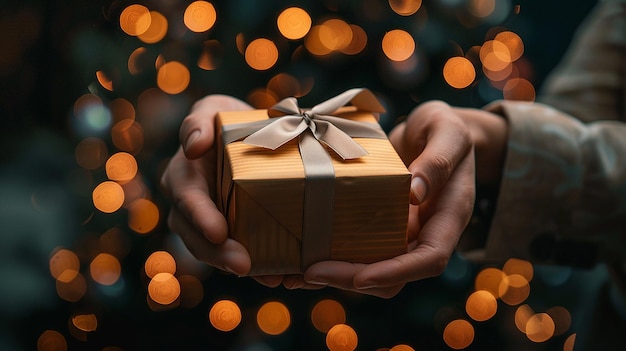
{"x":437,"y":142}
{"x":189,"y":180}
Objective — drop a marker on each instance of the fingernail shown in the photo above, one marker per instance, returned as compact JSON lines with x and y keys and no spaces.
{"x":192,"y":139}
{"x":419,"y":189}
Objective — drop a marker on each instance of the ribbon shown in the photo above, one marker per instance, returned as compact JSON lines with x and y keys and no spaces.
{"x":314,"y":128}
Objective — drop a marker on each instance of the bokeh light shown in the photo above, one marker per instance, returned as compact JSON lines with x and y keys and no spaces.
{"x":121,"y":167}
{"x":273,"y":318}
{"x":51,"y":340}
{"x":143,"y":216}
{"x":405,"y":7}
{"x":159,"y":262}
{"x":200,"y":16}
{"x":225,"y":315}
{"x":294,"y":23}
{"x":85,"y":322}
{"x":164,"y":288}
{"x":517,"y":266}
{"x":481,"y":8}
{"x":104,"y":80}
{"x":173,"y":77}
{"x":121,"y":109}
{"x":335,"y":34}
{"x":157,"y":29}
{"x":211,"y":55}
{"x":72,"y":288}
{"x":135,"y":19}
{"x":523,"y":313}
{"x":458,"y":334}
{"x":514,"y":290}
{"x":489,"y":279}
{"x":569,"y":343}
{"x":562,"y":319}
{"x":540,"y":327}
{"x":459,"y":72}
{"x":402,"y":347}
{"x":481,"y":305}
{"x":398,"y":45}
{"x":105,"y":269}
{"x":519,"y":89}
{"x":64,"y":265}
{"x":108,"y":196}
{"x":261,"y":54}
{"x":342,"y":337}
{"x":326,"y":314}
{"x":127,"y":135}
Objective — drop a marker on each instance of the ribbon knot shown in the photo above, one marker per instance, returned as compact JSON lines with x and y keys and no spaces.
{"x":289,"y":121}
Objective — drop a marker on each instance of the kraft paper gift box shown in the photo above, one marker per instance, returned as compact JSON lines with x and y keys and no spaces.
{"x":293,"y":197}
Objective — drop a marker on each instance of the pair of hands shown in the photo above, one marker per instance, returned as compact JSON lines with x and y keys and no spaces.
{"x":442,"y":147}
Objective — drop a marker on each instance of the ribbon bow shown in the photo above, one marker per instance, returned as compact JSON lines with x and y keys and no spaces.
{"x":290,"y":121}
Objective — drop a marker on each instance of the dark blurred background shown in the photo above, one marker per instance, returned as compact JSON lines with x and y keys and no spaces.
{"x":55,"y":55}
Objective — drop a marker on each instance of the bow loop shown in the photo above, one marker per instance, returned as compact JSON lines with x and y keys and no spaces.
{"x":290,"y":121}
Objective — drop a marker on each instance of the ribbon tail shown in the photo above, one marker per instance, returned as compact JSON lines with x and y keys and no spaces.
{"x":362,"y":98}
{"x":287,"y":106}
{"x":338,"y":140}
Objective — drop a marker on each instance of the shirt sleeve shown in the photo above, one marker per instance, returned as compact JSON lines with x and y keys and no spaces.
{"x":562,"y":198}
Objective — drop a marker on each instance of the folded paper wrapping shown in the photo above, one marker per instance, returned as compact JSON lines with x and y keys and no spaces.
{"x":288,"y":217}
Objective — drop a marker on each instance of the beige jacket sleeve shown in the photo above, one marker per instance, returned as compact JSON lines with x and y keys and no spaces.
{"x":563,"y":192}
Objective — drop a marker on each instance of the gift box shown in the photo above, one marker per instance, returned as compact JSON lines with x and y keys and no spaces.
{"x":300,"y":186}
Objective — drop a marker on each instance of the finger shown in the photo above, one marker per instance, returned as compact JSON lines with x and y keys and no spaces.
{"x":339,"y":274}
{"x":437,"y":239}
{"x":296,"y":281}
{"x":271,"y":281}
{"x":439,"y":140}
{"x":197,"y":131}
{"x":189,"y":191}
{"x":230,"y":255}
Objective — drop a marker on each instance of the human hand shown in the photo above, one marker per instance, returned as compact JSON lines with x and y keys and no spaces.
{"x":436,"y":144}
{"x":190,"y":182}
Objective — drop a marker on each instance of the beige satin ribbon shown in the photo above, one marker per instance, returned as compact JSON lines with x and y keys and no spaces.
{"x":314,"y":127}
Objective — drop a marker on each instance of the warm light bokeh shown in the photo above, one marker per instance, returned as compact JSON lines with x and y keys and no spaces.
{"x":402,"y":347}
{"x":157,"y":29}
{"x":341,"y":337}
{"x":517,"y":266}
{"x":514,"y":290}
{"x":143,"y":216}
{"x":519,"y":89}
{"x":459,"y":72}
{"x":71,"y":289}
{"x":490,"y":279}
{"x":64,"y":265}
{"x":273,"y":318}
{"x":569,"y":343}
{"x":405,"y":7}
{"x":127,"y":135}
{"x":481,"y":305}
{"x":294,"y":23}
{"x":51,"y":340}
{"x":85,"y":322}
{"x":458,"y":334}
{"x":200,"y":16}
{"x":225,"y":315}
{"x":105,"y":269}
{"x":335,"y":34}
{"x":173,"y":77}
{"x":121,"y":167}
{"x":108,"y":196}
{"x":398,"y":45}
{"x":135,"y":19}
{"x":540,"y":327}
{"x":164,"y":288}
{"x":159,"y":262}
{"x":261,"y":54}
{"x":326,"y":314}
